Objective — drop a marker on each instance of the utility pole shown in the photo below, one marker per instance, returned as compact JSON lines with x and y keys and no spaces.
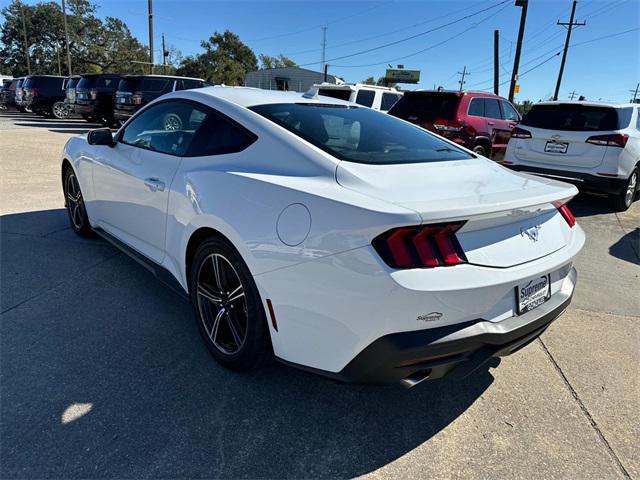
{"x":66,"y":36}
{"x":516,"y":61}
{"x":324,"y":45}
{"x":58,"y":55}
{"x":635,"y":93}
{"x":26,"y":43}
{"x":150,"y":36}
{"x":496,"y":62}
{"x":326,"y":67}
{"x":572,"y":95}
{"x":464,"y":74}
{"x":164,"y":57}
{"x":569,"y":26}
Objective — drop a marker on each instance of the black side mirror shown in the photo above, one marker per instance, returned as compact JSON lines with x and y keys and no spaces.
{"x":100,"y":136}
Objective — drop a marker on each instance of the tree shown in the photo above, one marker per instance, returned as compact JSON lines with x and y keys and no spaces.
{"x":225,"y":60}
{"x":96,"y":45}
{"x":369,"y":81}
{"x":275,"y":62}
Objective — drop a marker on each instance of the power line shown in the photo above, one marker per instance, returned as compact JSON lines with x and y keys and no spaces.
{"x":413,"y":54}
{"x":411,"y":37}
{"x":569,"y":26}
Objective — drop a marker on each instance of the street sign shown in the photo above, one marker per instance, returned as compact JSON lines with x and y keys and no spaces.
{"x":517,"y":89}
{"x":394,"y":75}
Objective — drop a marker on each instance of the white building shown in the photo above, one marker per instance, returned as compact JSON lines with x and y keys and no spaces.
{"x":287,"y":78}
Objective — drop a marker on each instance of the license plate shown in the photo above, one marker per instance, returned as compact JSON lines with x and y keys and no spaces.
{"x":533,"y":293}
{"x":122,"y":100}
{"x":556,"y":147}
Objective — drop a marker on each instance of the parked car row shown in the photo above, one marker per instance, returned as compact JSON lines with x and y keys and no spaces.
{"x":107,"y":98}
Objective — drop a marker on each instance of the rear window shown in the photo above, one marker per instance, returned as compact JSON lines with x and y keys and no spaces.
{"x":86,"y":83}
{"x":360,"y":135}
{"x":72,"y":82}
{"x":340,"y":94}
{"x":107,"y":82}
{"x":28,"y":83}
{"x":576,"y":118}
{"x":129,"y":84}
{"x":421,"y":106}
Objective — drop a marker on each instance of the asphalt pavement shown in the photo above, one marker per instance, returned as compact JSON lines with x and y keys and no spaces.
{"x":103,"y":373}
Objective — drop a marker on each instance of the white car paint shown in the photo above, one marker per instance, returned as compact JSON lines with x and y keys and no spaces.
{"x":331,"y":292}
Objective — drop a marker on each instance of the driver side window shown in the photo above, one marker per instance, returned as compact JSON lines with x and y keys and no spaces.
{"x":168,"y":127}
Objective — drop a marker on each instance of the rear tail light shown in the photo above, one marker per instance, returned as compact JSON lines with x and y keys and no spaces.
{"x":34,"y":92}
{"x":566,"y":214}
{"x":615,"y":140}
{"x":422,"y":246}
{"x":520,"y":133}
{"x":136,"y":98}
{"x":445,"y":125}
{"x":93,"y":93}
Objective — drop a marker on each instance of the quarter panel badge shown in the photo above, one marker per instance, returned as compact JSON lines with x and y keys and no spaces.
{"x":430,"y":317}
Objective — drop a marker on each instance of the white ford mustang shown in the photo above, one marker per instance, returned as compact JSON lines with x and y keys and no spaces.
{"x":345,"y":241}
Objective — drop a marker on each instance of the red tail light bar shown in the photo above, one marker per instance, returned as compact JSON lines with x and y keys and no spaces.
{"x":136,"y":98}
{"x":422,"y":246}
{"x":520,"y":133}
{"x":566,"y":214}
{"x":93,"y":93}
{"x":614,"y":140}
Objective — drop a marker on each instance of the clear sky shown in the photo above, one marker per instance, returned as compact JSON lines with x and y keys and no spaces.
{"x":605,"y":68}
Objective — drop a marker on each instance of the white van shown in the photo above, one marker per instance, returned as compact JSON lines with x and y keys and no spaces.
{"x":373,"y":96}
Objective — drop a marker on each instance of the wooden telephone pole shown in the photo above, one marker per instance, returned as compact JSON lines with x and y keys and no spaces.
{"x":569,"y":26}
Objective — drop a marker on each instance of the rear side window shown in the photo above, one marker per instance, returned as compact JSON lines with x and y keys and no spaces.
{"x":219,"y":135}
{"x":573,"y":117}
{"x":361,"y":135}
{"x":388,"y":101}
{"x":129,"y":85}
{"x":154,"y":84}
{"x":340,"y":94}
{"x":492,"y":108}
{"x":189,"y":84}
{"x":365,"y":97}
{"x":426,"y":106}
{"x":624,"y":117}
{"x":509,"y":113}
{"x":476,"y":107}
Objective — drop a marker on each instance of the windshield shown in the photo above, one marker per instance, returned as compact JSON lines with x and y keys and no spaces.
{"x":360,"y":135}
{"x":86,"y":83}
{"x":576,"y":117}
{"x":426,"y":106}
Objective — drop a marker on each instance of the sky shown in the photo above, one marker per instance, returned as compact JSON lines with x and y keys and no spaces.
{"x":442,"y":41}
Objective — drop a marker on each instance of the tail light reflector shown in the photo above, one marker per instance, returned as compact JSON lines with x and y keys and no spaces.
{"x":615,"y":140}
{"x":445,"y":125}
{"x":34,"y":92}
{"x":136,"y":98}
{"x":422,"y":246}
{"x":520,"y":133}
{"x":566,"y":214}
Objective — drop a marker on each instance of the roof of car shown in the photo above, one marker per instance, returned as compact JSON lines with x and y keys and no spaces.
{"x":248,"y":96}
{"x":591,"y":103}
{"x":162,"y":76}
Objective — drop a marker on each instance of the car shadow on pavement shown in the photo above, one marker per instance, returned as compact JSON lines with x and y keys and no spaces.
{"x":628,"y":247}
{"x":104,"y":375}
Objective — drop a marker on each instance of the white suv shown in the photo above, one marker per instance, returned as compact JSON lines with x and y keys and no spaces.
{"x":594,"y":145}
{"x":372,"y":96}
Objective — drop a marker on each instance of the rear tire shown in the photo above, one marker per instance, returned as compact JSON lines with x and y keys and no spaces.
{"x":228,"y":307}
{"x":624,"y":199}
{"x":59,"y":110}
{"x":480,"y":150}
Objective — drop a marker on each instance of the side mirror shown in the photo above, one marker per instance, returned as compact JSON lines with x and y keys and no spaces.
{"x":100,"y":136}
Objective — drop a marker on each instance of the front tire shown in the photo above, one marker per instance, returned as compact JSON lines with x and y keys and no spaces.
{"x":227,"y":306}
{"x":480,"y":150}
{"x":59,"y":110}
{"x":74,"y":201}
{"x":624,"y":199}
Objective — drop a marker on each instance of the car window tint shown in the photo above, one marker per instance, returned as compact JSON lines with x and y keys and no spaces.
{"x":492,"y":108}
{"x":572,"y":117}
{"x":365,"y":97}
{"x":106,"y":82}
{"x":189,"y":84}
{"x":360,"y":134}
{"x":388,"y":100}
{"x":638,"y":119}
{"x":341,"y":94}
{"x":168,"y":127}
{"x":423,"y":106}
{"x":509,"y":113}
{"x":154,"y":84}
{"x":624,"y":117}
{"x":476,"y":107}
{"x":219,"y":135}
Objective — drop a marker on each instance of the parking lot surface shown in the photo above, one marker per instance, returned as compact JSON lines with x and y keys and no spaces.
{"x":103,"y":374}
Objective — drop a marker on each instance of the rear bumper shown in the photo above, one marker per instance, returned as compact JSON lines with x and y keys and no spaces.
{"x":583,"y":181}
{"x":93,"y":109}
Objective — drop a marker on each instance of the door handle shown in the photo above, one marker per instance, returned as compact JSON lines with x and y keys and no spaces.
{"x":491,"y":123}
{"x":154,"y":184}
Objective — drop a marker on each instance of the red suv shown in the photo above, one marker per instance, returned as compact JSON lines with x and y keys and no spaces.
{"x":482,"y":122}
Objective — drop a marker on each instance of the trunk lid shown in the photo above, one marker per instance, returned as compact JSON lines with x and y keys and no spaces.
{"x":510,"y":217}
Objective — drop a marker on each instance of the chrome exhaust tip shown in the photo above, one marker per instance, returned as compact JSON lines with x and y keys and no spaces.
{"x":415,"y":378}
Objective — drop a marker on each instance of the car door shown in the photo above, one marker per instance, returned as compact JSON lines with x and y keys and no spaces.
{"x":132,"y":179}
{"x":498,"y":130}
